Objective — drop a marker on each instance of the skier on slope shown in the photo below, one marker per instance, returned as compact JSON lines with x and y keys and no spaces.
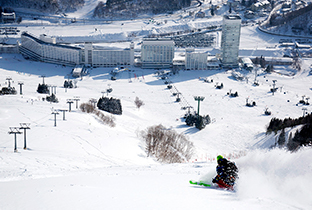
{"x":226,"y":173}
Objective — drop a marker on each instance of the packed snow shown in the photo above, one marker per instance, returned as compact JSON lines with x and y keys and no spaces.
{"x":82,"y":163}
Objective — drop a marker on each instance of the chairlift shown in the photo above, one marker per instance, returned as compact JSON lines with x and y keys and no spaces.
{"x":109,"y":90}
{"x":267,"y":112}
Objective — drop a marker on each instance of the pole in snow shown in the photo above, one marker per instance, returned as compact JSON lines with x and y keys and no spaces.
{"x":274,"y":86}
{"x":76,"y":98}
{"x":63,"y":110}
{"x":69,"y":101}
{"x":9,"y":81}
{"x":93,"y":101}
{"x":15,"y":130}
{"x":304,"y":111}
{"x":199,"y":99}
{"x":21,"y":90}
{"x":43,"y":76}
{"x":24,"y":126}
{"x":55,"y":113}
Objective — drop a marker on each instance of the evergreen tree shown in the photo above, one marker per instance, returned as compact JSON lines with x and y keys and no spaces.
{"x":110,"y":105}
{"x":212,"y":11}
{"x":269,"y":68}
{"x":199,"y":124}
{"x":262,"y":62}
{"x":282,"y":138}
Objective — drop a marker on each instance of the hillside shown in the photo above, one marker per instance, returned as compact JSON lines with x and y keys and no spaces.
{"x":133,"y":8}
{"x":45,"y":6}
{"x":81,"y":157}
{"x":291,"y":19}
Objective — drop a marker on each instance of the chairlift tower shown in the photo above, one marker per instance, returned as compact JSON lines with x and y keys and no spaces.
{"x":129,"y":74}
{"x":69,"y":101}
{"x":50,"y":89}
{"x":307,"y":98}
{"x":304,"y":111}
{"x":9,"y":81}
{"x":24,"y":126}
{"x":199,"y":99}
{"x":53,"y":87}
{"x":274,"y":81}
{"x":55,"y":113}
{"x":188,"y":109}
{"x":103,"y":92}
{"x":256,"y":73}
{"x":21,"y":90}
{"x":14,"y":130}
{"x":43,"y":76}
{"x":93,"y":101}
{"x":76,"y":98}
{"x":178,"y":99}
{"x":63,"y":110}
{"x":247,"y":100}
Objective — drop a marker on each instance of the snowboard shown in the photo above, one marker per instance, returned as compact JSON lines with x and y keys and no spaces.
{"x":201,"y":183}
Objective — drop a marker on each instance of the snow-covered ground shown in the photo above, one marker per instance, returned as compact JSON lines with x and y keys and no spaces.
{"x":83,"y":164}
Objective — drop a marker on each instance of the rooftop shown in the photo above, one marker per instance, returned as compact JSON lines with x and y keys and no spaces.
{"x":232,"y":17}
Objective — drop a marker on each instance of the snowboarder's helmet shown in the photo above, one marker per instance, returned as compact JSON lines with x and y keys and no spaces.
{"x":219,"y":157}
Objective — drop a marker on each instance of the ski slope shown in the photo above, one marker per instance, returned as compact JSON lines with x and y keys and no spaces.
{"x":82,"y":163}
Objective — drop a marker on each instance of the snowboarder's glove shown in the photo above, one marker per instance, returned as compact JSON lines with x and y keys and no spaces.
{"x":214,"y":181}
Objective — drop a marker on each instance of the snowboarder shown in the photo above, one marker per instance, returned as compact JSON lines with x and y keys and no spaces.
{"x":226,"y":173}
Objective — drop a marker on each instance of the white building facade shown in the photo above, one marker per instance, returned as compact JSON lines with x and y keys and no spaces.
{"x":8,"y":17}
{"x":195,"y":60}
{"x":45,"y":49}
{"x":230,"y":40}
{"x":157,"y":53}
{"x":105,"y":57}
{"x":39,"y":50}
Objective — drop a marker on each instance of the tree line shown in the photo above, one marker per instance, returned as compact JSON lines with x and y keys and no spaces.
{"x":132,"y":8}
{"x":302,"y":136}
{"x":49,"y":6}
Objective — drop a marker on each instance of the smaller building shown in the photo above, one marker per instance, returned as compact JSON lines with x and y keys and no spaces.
{"x":260,"y":5}
{"x":8,"y":17}
{"x":247,"y":63}
{"x":249,"y":14}
{"x":195,"y":60}
{"x":9,"y":49}
{"x":157,"y":53}
{"x":48,"y":39}
{"x":278,"y":60}
{"x":77,"y":71}
{"x":99,"y":56}
{"x":302,"y":46}
{"x":213,"y":63}
{"x":234,"y":3}
{"x":200,"y":14}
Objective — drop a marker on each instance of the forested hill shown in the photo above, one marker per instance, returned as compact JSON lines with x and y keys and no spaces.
{"x":48,"y":6}
{"x":132,"y":8}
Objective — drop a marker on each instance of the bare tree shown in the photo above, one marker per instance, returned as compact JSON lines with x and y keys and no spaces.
{"x":138,"y":102}
{"x":89,"y":108}
{"x":297,"y":64}
{"x":167,"y":145}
